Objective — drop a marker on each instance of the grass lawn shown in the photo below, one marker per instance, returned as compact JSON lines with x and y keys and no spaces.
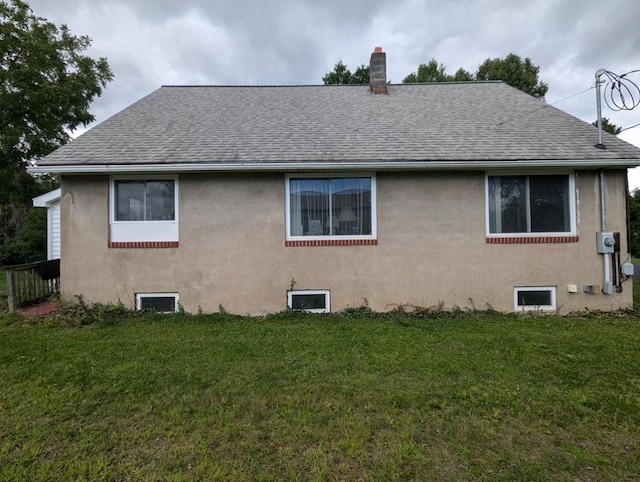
{"x":214,"y":397}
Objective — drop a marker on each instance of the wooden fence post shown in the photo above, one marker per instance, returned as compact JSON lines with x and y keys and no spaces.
{"x":10,"y":290}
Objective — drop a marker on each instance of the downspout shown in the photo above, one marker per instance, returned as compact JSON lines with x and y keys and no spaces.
{"x":603,"y":201}
{"x":607,"y":286}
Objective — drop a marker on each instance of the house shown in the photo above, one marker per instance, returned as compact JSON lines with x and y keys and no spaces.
{"x":255,"y":198}
{"x":51,"y":202}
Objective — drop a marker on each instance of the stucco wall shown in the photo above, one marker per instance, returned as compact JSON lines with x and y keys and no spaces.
{"x":431,"y":248}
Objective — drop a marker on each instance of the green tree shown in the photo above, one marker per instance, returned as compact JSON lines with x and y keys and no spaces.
{"x":339,"y":75}
{"x":342,"y":75}
{"x":436,"y":72}
{"x":431,"y":72}
{"x":462,"y":75}
{"x":361,"y":76}
{"x":608,"y":126}
{"x":518,"y":73}
{"x":521,"y":74}
{"x":24,"y":230}
{"x":634,"y":223}
{"x":46,"y":87}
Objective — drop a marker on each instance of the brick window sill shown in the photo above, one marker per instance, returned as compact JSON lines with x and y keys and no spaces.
{"x":531,"y":239}
{"x":331,"y":242}
{"x":142,"y":244}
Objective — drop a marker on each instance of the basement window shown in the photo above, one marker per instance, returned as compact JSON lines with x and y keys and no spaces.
{"x":534,"y":298}
{"x":313,"y":301}
{"x":160,"y":302}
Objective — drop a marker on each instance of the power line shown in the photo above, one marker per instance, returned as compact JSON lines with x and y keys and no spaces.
{"x":630,"y":127}
{"x":543,"y":106}
{"x":621,"y":94}
{"x":573,"y":95}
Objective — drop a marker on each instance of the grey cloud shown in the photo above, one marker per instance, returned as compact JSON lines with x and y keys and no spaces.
{"x":154,"y":42}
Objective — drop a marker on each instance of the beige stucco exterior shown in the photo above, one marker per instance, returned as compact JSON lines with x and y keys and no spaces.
{"x":431,"y":248}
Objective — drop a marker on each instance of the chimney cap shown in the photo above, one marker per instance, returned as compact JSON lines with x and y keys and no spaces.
{"x":377,"y":50}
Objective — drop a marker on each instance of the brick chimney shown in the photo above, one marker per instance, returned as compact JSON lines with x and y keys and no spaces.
{"x":378,"y":71}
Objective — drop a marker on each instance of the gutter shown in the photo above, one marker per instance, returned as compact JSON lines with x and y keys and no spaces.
{"x":331,"y":166}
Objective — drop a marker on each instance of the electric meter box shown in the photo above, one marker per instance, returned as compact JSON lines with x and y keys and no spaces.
{"x":606,"y":242}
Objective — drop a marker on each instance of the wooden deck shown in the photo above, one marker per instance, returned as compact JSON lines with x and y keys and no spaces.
{"x":31,"y":282}
{"x":41,"y":310}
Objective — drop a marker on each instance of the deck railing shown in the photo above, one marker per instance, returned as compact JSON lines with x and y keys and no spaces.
{"x":31,"y":282}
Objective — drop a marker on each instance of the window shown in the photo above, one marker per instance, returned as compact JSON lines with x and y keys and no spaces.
{"x":314,"y":301}
{"x":331,"y":207}
{"x":144,"y":209}
{"x":530,"y":204}
{"x":145,"y":200}
{"x":160,"y":302}
{"x":534,"y":298}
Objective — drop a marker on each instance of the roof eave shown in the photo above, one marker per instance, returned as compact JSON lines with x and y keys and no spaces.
{"x":333,"y":166}
{"x":47,"y":198}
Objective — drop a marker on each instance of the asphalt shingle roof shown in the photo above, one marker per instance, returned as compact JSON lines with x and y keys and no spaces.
{"x":476,"y":121}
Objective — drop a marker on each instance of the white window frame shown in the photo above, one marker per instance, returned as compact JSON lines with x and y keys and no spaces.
{"x":551,"y":307}
{"x":374,"y":224}
{"x":572,"y":205}
{"x":327,"y":297}
{"x":142,"y":231}
{"x":140,"y":296}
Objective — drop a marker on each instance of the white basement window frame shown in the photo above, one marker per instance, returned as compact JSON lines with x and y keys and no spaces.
{"x":307,"y":300}
{"x":524,"y":215}
{"x":534,"y":298}
{"x":344,"y":216}
{"x":142,"y":229}
{"x":146,"y":301}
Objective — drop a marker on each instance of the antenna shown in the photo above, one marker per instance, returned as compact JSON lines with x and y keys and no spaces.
{"x":624,"y":94}
{"x":599,"y":74}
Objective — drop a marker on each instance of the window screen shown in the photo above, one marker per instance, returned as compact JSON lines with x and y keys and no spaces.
{"x":529,"y":204}
{"x":534,"y":298}
{"x":317,"y":301}
{"x":331,"y":207}
{"x":308,"y":302}
{"x":145,"y":200}
{"x":160,"y":303}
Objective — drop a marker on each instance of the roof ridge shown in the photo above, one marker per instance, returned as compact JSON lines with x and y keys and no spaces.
{"x":269,"y":86}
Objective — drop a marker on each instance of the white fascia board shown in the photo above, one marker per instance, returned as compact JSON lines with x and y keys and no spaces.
{"x":331,"y":166}
{"x":47,"y":198}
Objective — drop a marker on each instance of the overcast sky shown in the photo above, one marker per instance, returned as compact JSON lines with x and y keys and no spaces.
{"x":150,"y":43}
